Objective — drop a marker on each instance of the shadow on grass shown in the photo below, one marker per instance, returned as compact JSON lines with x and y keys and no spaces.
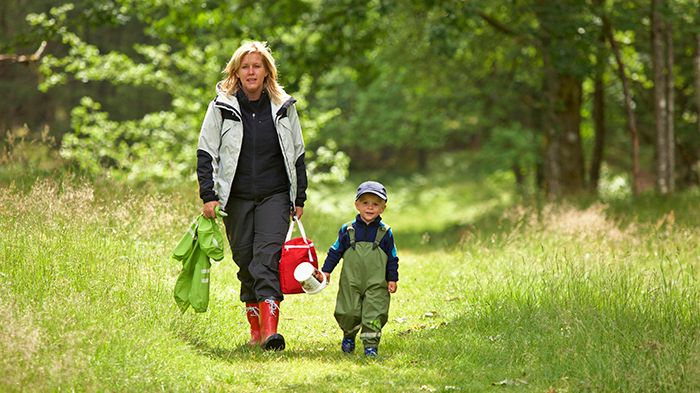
{"x":244,"y":352}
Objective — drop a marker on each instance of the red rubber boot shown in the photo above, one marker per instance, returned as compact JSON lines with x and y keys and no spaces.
{"x":252,"y":312}
{"x":269,"y":316}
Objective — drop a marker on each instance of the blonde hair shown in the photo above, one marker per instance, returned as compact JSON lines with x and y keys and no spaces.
{"x":231,"y":83}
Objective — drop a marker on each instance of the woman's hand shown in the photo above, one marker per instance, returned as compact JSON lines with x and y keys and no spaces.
{"x":328,"y":277}
{"x":391,"y":286}
{"x":208,"y":209}
{"x":298,"y":211}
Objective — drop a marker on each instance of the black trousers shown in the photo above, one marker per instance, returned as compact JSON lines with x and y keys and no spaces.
{"x":256,"y":230}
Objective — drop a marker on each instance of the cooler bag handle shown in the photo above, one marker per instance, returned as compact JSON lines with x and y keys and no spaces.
{"x":291,"y":229}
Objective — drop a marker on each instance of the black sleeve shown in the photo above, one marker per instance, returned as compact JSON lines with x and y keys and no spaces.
{"x":301,"y":181}
{"x":205,"y":176}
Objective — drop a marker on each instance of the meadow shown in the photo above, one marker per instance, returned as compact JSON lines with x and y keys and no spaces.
{"x":495,"y":294}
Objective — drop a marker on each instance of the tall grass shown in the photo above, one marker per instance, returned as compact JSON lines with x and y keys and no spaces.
{"x":597,"y":298}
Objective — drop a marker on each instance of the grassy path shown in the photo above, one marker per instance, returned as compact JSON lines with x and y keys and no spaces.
{"x":594,"y":299}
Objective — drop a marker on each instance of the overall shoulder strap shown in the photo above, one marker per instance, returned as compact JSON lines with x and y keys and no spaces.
{"x":381,"y":232}
{"x":351,"y":233}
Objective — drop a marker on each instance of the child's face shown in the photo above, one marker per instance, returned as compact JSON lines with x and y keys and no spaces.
{"x":369,"y":206}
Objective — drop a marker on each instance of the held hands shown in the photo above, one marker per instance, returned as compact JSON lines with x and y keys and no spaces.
{"x":208,"y":209}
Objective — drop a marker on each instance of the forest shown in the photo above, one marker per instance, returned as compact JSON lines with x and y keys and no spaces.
{"x":560,"y":95}
{"x":541,"y":160}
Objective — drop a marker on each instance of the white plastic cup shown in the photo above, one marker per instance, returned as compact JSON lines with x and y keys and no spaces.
{"x":307,"y":275}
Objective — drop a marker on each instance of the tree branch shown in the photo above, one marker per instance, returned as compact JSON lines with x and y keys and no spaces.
{"x":629,"y":102}
{"x":25,"y":58}
{"x":518,"y":36}
{"x":496,"y":24}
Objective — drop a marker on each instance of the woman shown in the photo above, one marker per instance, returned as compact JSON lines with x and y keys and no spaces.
{"x":250,"y":161}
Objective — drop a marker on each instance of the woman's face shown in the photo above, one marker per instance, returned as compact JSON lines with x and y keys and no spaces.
{"x":252,"y":74}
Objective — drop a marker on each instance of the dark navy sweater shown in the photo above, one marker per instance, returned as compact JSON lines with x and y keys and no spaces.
{"x":260,"y":171}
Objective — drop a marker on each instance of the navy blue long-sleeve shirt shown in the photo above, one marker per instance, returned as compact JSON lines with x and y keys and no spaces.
{"x":364,"y":233}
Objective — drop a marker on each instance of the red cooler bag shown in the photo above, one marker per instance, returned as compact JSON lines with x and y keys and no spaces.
{"x":294,"y":252}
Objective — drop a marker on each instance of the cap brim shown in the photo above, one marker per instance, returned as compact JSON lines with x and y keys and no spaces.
{"x":383,"y":197}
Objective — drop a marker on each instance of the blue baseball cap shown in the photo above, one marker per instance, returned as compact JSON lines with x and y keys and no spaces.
{"x":371,"y":187}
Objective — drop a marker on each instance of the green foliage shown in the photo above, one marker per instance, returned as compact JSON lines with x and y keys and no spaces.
{"x":373,"y":77}
{"x":391,"y":102}
{"x":509,"y":146}
{"x":328,"y":165}
{"x":160,"y":145}
{"x":157,"y":147}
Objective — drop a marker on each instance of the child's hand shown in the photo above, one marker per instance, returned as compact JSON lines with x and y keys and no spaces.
{"x":328,"y":277}
{"x":391,"y":286}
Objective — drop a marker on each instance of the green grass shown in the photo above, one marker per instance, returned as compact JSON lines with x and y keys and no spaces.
{"x":599,"y":297}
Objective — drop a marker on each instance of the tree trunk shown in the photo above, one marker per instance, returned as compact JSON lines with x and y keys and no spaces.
{"x":661,"y":78}
{"x":564,"y":169}
{"x":519,"y":177}
{"x":571,"y":95}
{"x":629,"y":105}
{"x":670,"y":99}
{"x":600,"y":133}
{"x":552,"y":170}
{"x":697,"y":80}
{"x":598,"y":116}
{"x":539,"y":120}
{"x":422,"y":158}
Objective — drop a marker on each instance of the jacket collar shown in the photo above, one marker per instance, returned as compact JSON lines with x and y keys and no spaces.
{"x":377,"y":221}
{"x":281,"y":110}
{"x":230,"y":102}
{"x":224,"y":98}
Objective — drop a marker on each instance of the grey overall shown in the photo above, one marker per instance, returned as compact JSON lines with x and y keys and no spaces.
{"x":363,"y":298}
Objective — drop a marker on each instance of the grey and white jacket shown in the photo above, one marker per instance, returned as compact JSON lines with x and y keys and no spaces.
{"x":221,"y":137}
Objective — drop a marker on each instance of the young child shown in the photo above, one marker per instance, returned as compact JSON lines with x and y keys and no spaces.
{"x":370,"y":270}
